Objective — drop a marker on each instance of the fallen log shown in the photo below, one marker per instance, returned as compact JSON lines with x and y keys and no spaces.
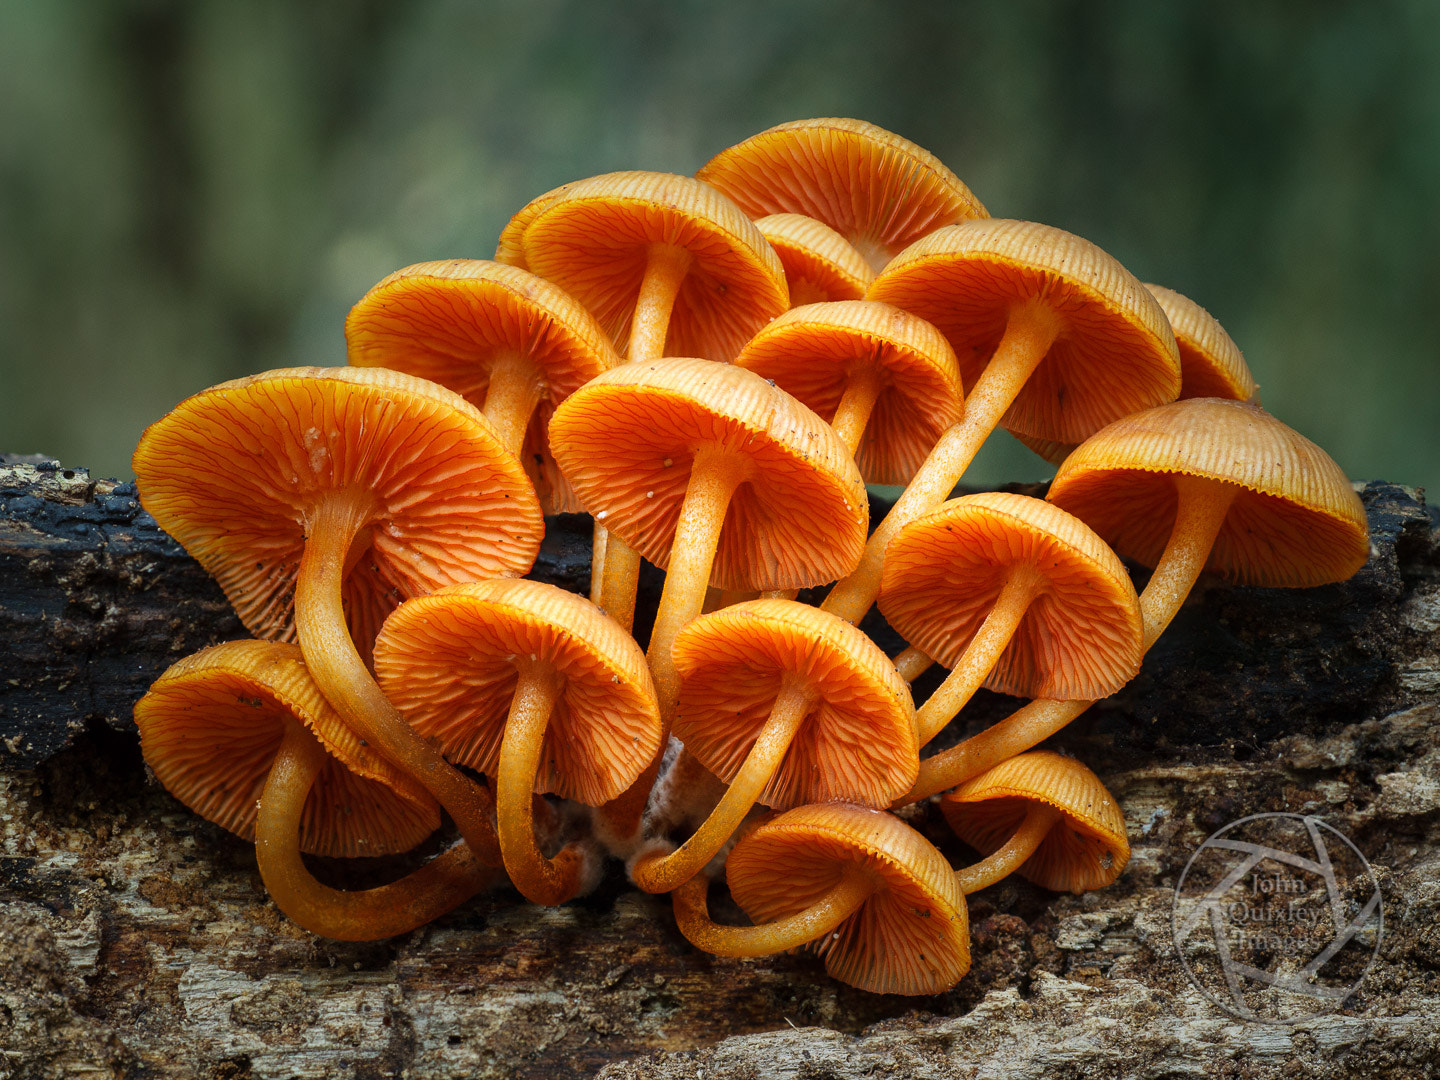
{"x":137,"y":939}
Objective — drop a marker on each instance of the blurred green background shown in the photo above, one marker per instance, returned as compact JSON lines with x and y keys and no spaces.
{"x":190,"y":191}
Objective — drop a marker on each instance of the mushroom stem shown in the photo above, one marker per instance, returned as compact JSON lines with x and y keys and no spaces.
{"x":540,"y":880}
{"x":912,"y":663}
{"x":665,"y":268}
{"x":346,"y":682}
{"x":1200,"y":511}
{"x":1006,"y":859}
{"x":822,"y":917}
{"x":714,"y":476}
{"x":1029,"y":333}
{"x":853,"y":413}
{"x":1022,"y":585}
{"x":516,"y":386}
{"x":441,"y":885}
{"x":663,"y":873}
{"x":615,"y":575}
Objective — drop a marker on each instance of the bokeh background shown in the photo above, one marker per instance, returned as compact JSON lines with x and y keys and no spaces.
{"x":192,"y":190}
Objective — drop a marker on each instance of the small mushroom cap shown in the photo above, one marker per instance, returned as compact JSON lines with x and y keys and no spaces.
{"x":817,"y":259}
{"x":627,"y":439}
{"x":876,"y":189}
{"x":911,"y":937}
{"x":450,"y":322}
{"x":234,"y":473}
{"x":858,"y":743}
{"x":813,"y":351}
{"x":211,"y":726}
{"x":594,"y":238}
{"x":1086,"y":849}
{"x":1114,"y":354}
{"x":1081,"y":637}
{"x":1211,"y":364}
{"x":1295,"y":522}
{"x":450,"y":662}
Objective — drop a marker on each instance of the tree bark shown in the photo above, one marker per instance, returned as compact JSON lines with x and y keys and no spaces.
{"x":136,"y":939}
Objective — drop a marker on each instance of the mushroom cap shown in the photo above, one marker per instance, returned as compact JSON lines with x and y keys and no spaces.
{"x":627,"y":439}
{"x":858,"y":743}
{"x":593,"y":240}
{"x":235,"y":472}
{"x":450,"y":321}
{"x":510,"y":249}
{"x":1211,"y":364}
{"x":1086,"y":849}
{"x":1296,"y":520}
{"x":876,"y":189}
{"x":1080,"y":638}
{"x":212,"y":724}
{"x":1114,"y":353}
{"x":450,"y":663}
{"x":911,"y":937}
{"x":811,"y":352}
{"x":816,"y":257}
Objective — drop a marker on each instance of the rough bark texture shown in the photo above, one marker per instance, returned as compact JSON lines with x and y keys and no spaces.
{"x":136,"y":940}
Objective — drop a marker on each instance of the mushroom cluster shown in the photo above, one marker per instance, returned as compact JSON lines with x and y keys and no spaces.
{"x":713,"y":367}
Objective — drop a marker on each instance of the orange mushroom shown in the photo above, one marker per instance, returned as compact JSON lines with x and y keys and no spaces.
{"x":317,"y":495}
{"x":1044,"y":816}
{"x":886,"y":380}
{"x":1211,"y":364}
{"x":867,"y":892}
{"x":534,"y":686}
{"x":787,"y":705}
{"x":510,"y":343}
{"x":1053,"y":335}
{"x":819,"y":263}
{"x":240,"y":734}
{"x":879,"y":191}
{"x":1199,"y":484}
{"x":670,"y":267}
{"x":1015,"y":594}
{"x":715,"y":475}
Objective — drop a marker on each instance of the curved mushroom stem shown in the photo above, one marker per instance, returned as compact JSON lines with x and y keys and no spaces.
{"x":441,"y":885}
{"x":663,"y":873}
{"x":714,"y":476}
{"x":346,"y":682}
{"x":853,"y":413}
{"x":912,"y":663}
{"x":822,"y":917}
{"x":1030,"y":332}
{"x":1199,"y":514}
{"x":1005,"y":860}
{"x":516,"y":386}
{"x":1022,"y":585}
{"x":540,"y":880}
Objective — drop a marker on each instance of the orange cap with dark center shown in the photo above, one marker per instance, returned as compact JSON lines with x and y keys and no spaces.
{"x":1085,"y":849}
{"x":1113,"y":354}
{"x":1296,"y":520}
{"x":1211,"y":364}
{"x":814,"y":352}
{"x":234,"y":472}
{"x":879,"y":191}
{"x":1079,"y":638}
{"x":594,"y":240}
{"x":212,"y":725}
{"x":453,"y":321}
{"x":820,"y":264}
{"x":626,"y":441}
{"x":449,"y":663}
{"x":911,"y":937}
{"x":858,"y":742}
